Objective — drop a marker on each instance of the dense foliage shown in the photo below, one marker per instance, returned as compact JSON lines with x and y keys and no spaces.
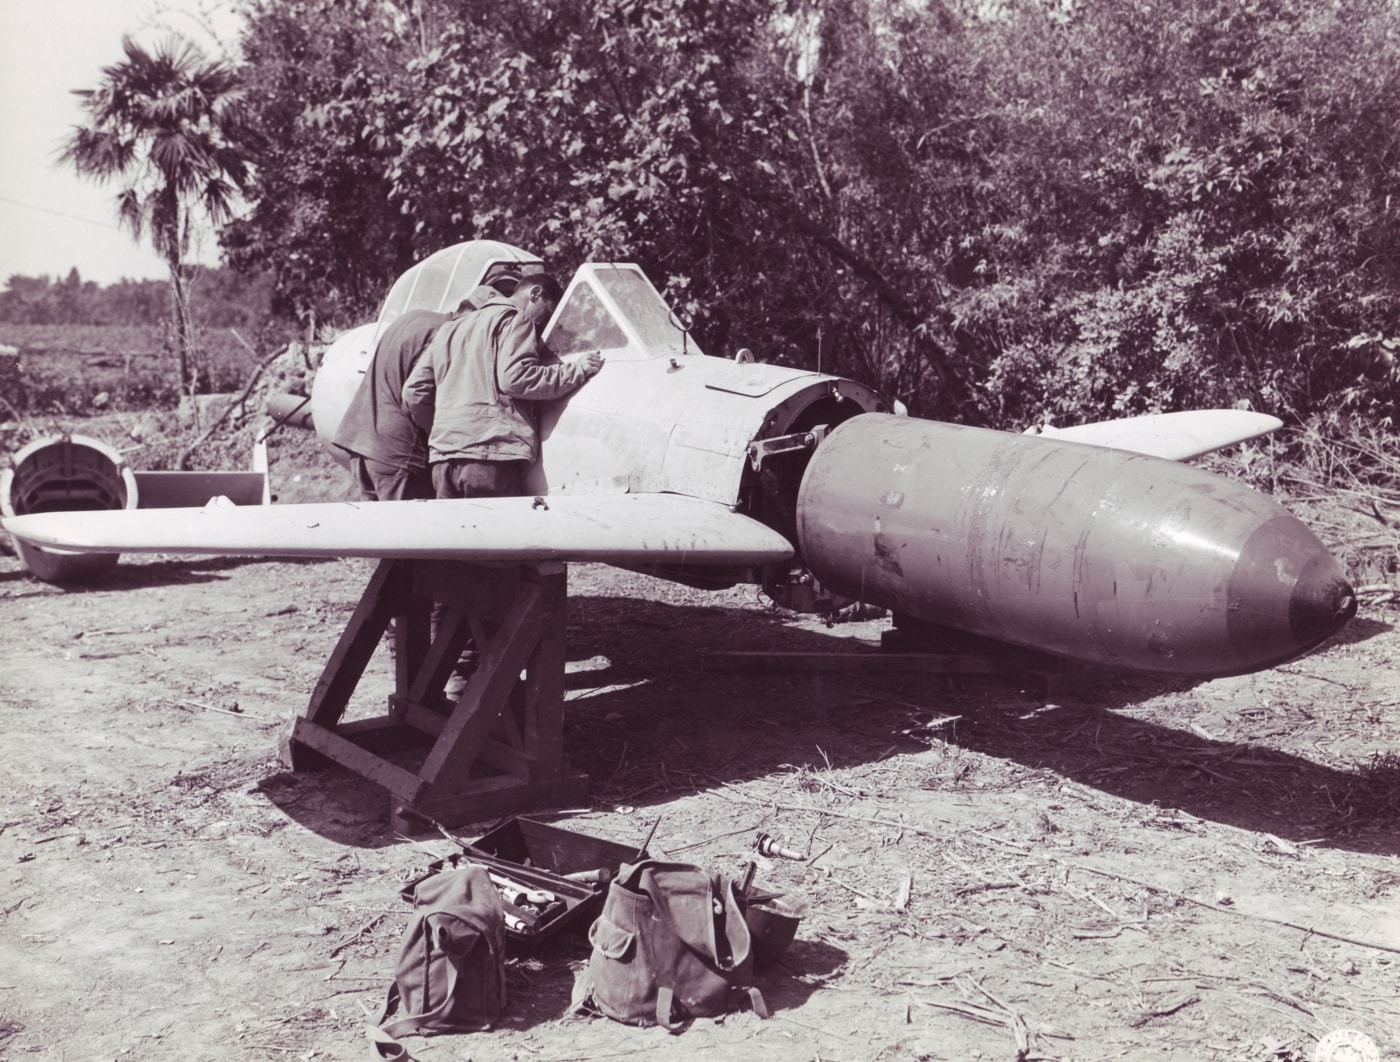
{"x":318,"y":75}
{"x":998,"y":212}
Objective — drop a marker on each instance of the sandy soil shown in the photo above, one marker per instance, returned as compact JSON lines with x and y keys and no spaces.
{"x":1124,"y":869}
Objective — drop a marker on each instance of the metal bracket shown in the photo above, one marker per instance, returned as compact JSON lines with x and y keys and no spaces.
{"x":762,"y":449}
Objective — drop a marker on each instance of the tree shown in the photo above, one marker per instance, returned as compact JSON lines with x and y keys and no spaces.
{"x":168,"y":125}
{"x":996,"y":212}
{"x":323,"y":219}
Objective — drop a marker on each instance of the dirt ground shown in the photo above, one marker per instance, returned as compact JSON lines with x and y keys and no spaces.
{"x":1124,"y":868}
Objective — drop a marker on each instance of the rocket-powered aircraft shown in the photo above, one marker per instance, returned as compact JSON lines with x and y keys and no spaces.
{"x":1091,"y":543}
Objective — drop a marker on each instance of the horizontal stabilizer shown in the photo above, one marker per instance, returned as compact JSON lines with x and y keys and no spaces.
{"x":1174,"y":436}
{"x":177,"y":490}
{"x":614,"y":529}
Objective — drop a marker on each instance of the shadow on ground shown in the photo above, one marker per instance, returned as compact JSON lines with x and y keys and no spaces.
{"x":649,"y":721}
{"x":131,"y":573}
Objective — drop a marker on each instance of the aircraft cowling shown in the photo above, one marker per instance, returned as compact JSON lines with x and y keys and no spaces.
{"x":1097,"y":554}
{"x":66,"y":473}
{"x":75,"y":473}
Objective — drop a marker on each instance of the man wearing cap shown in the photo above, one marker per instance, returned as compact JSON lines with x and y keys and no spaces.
{"x":388,"y":451}
{"x":475,"y":388}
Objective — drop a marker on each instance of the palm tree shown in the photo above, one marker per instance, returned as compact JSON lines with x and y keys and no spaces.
{"x":168,"y":124}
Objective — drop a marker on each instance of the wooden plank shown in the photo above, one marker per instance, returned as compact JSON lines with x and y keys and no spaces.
{"x":507,"y":728}
{"x":422,"y":719}
{"x":384,"y":734}
{"x":543,"y":715}
{"x":442,"y":654}
{"x":363,"y":728}
{"x":411,"y":640}
{"x":404,"y":784}
{"x":356,"y":645}
{"x":498,"y":670}
{"x":505,"y":759}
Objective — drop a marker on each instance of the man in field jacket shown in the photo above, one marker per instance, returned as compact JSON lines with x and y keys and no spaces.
{"x":388,"y":451}
{"x":475,"y":389}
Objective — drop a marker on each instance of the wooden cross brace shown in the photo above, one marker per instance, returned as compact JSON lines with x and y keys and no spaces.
{"x":498,"y":747}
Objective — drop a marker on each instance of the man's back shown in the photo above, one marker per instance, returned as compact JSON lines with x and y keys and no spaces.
{"x":478,"y":384}
{"x":375,"y":423}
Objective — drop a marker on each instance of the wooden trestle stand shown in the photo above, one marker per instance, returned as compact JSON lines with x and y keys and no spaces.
{"x":499,"y":748}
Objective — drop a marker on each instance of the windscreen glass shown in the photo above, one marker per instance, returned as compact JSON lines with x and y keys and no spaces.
{"x":644,"y":309}
{"x":583,"y":323}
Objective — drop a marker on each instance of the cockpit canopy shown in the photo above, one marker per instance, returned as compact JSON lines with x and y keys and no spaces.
{"x":442,"y":280}
{"x":609,"y":307}
{"x":613,"y":308}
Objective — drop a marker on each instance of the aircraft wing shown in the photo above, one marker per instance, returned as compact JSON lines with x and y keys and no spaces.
{"x":613,"y":529}
{"x":1174,"y":436}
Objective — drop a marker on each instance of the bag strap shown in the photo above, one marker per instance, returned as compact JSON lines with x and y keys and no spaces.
{"x":665,"y":1003}
{"x":410,"y":1023}
{"x":384,"y":1047}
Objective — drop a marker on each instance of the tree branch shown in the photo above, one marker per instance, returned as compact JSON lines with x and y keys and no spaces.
{"x":184,"y":457}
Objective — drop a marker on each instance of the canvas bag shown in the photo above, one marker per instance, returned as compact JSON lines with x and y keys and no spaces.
{"x":450,"y":975}
{"x":670,"y":944}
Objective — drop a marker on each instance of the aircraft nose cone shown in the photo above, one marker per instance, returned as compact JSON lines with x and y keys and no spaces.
{"x":1322,"y":601}
{"x":1287,"y":593}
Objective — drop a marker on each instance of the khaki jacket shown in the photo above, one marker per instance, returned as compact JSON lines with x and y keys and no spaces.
{"x":477,"y":384}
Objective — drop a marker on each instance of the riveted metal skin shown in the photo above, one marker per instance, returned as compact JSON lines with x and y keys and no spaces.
{"x":1098,"y":554}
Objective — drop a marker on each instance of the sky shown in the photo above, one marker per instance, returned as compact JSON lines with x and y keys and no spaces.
{"x":51,"y":221}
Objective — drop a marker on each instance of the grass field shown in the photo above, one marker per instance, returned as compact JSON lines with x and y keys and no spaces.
{"x":76,"y":369}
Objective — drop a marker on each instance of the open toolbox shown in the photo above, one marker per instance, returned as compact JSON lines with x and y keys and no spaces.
{"x":549,"y":878}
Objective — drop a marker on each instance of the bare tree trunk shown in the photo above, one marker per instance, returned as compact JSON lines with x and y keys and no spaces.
{"x":179,"y":306}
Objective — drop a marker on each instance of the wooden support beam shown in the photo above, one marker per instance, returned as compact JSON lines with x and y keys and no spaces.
{"x":488,"y":690}
{"x":411,"y":639}
{"x":356,"y":645}
{"x":499,"y":748}
{"x":426,"y":683}
{"x":542,"y":726}
{"x":334,"y":746}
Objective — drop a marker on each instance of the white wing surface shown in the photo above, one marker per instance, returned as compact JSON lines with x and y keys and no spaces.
{"x":614,"y":529}
{"x":1174,"y":436}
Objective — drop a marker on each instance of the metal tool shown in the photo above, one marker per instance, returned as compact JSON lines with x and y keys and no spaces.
{"x":771,"y":846}
{"x":645,"y":844}
{"x":524,"y":891}
{"x":600,"y":876}
{"x":749,"y":868}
